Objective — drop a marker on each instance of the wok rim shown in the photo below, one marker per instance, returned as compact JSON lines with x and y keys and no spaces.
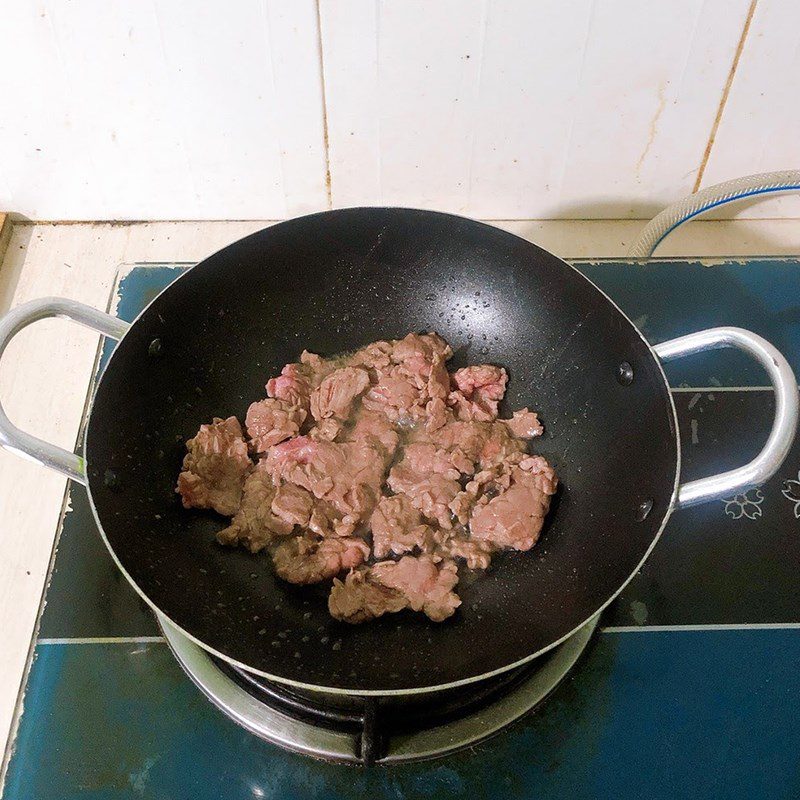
{"x":356,"y":692}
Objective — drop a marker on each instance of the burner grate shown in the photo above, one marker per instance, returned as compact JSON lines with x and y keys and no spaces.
{"x":376,"y":720}
{"x":375,"y":729}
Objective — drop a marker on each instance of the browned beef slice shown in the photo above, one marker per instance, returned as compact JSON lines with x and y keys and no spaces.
{"x":477,"y":392}
{"x":375,"y":430}
{"x":414,"y":376}
{"x":255,"y":524}
{"x":272,"y":421}
{"x":306,"y":559}
{"x":486,"y":443}
{"x":427,"y":475}
{"x":293,"y":386}
{"x":427,"y":586}
{"x":459,"y":544}
{"x":418,"y":583}
{"x":293,"y":504}
{"x":327,"y":429}
{"x":466,"y":437}
{"x":515,"y":517}
{"x":348,"y":474}
{"x":374,"y":356}
{"x":359,"y":599}
{"x":396,"y":396}
{"x":397,"y":527}
{"x":418,"y":348}
{"x":214,"y":468}
{"x":298,"y":380}
{"x":335,"y":395}
{"x":436,"y":414}
{"x":432,"y":495}
{"x":316,"y":367}
{"x":524,"y":424}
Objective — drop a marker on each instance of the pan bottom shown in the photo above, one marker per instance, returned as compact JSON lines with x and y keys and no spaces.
{"x":367,"y":730}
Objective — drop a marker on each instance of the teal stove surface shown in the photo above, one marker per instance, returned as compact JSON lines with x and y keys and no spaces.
{"x":690,"y":690}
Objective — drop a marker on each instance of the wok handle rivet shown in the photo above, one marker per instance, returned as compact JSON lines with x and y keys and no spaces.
{"x":625,"y":373}
{"x":643,"y":510}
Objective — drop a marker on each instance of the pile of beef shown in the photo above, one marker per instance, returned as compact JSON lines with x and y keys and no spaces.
{"x":380,"y":464}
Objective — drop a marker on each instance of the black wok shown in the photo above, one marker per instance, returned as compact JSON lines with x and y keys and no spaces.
{"x":331,"y":282}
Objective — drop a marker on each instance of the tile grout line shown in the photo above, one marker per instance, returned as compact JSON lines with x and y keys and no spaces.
{"x":102,"y":640}
{"x":725,"y":93}
{"x":733,"y":626}
{"x":611,"y":629}
{"x":712,"y":389}
{"x":325,"y":136}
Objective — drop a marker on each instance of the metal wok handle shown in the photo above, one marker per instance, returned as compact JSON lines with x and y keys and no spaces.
{"x":766,"y":463}
{"x":11,"y":437}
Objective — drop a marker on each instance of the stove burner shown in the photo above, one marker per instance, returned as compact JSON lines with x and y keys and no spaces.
{"x":370,"y":729}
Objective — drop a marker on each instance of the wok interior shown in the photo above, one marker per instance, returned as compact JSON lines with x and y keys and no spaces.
{"x":330,"y":283}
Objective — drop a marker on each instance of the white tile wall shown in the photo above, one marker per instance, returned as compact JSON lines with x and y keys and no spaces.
{"x":760,"y":127}
{"x":161,"y":109}
{"x":165,"y":109}
{"x":514,"y":109}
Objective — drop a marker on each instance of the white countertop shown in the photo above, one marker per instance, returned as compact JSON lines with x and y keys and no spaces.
{"x":45,"y":372}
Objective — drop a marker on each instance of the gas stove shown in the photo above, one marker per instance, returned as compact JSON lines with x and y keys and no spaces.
{"x":369,"y":730}
{"x":687,"y":686}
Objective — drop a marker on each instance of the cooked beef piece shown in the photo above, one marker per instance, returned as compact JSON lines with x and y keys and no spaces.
{"x":458,"y":544}
{"x":348,"y":475}
{"x":424,"y":459}
{"x":326,"y":429}
{"x":415,"y":374}
{"x":515,"y":517}
{"x":375,"y":356}
{"x":427,"y":586}
{"x":375,"y":430}
{"x":326,"y":520}
{"x":316,"y":367}
{"x":524,"y":424}
{"x":477,"y":392}
{"x":255,"y":524}
{"x":468,"y":438}
{"x":293,"y":504}
{"x":359,"y":599}
{"x":214,"y":469}
{"x":293,"y":386}
{"x":306,"y":559}
{"x":432,"y":495}
{"x":397,"y":527}
{"x":272,"y":421}
{"x":499,"y":446}
{"x":461,"y":506}
{"x":335,"y":395}
{"x":436,"y":414}
{"x":296,"y":381}
{"x":418,"y":583}
{"x":438,"y":384}
{"x":427,"y":476}
{"x":396,"y":396}
{"x":420,"y":348}
{"x":484,"y":443}
{"x":494,"y":479}
{"x":421,"y":460}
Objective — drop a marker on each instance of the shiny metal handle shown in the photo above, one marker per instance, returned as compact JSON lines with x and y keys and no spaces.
{"x":766,"y":463}
{"x":11,"y":324}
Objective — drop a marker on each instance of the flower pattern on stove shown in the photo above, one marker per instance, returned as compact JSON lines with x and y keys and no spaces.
{"x":791,"y":491}
{"x":747,"y":505}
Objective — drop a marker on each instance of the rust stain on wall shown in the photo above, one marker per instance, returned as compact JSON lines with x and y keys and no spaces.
{"x":662,"y":101}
